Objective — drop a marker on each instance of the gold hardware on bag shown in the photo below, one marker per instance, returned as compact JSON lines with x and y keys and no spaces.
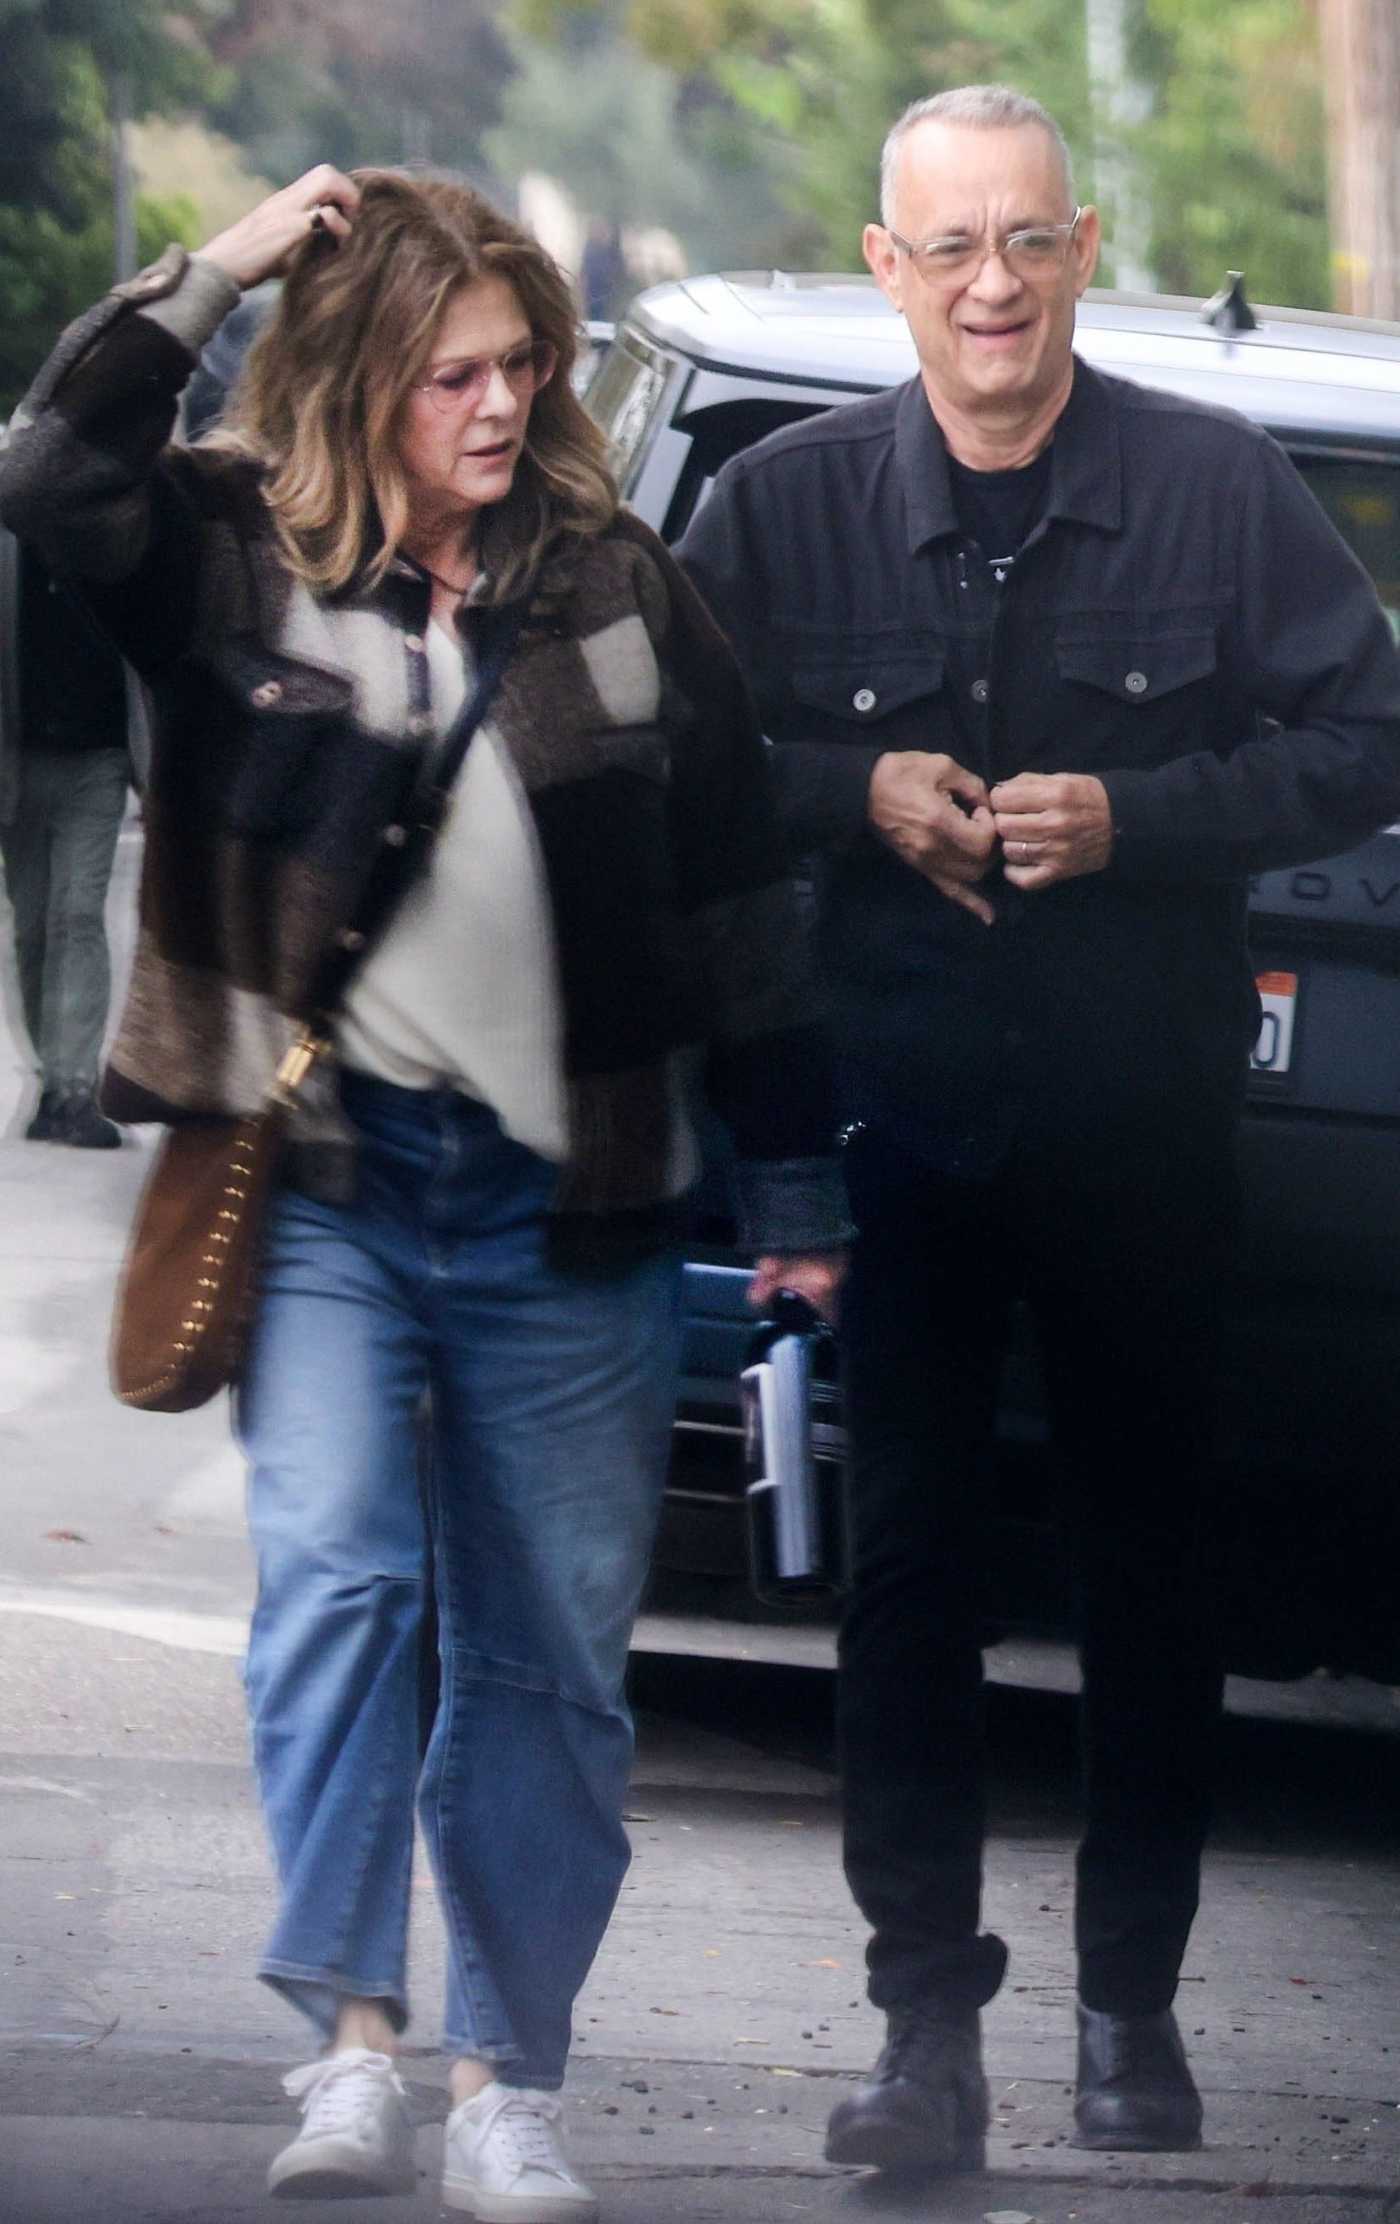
{"x":296,"y":1065}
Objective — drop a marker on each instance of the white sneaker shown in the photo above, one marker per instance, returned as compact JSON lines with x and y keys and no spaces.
{"x":355,"y":2136}
{"x":503,"y":2163}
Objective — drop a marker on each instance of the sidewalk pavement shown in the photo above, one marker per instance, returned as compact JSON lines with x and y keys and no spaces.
{"x":139,"y":2139}
{"x":139,"y":2063}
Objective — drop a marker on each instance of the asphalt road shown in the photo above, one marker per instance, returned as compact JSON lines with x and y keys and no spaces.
{"x":139,"y":2057}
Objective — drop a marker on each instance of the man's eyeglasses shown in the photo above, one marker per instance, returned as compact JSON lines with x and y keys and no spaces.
{"x":1036,"y":251}
{"x":462,"y":386}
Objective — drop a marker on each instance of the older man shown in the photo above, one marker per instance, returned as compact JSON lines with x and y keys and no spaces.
{"x":1051,"y":663}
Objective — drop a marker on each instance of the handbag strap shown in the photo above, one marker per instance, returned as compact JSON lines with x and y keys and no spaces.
{"x":405,"y":847}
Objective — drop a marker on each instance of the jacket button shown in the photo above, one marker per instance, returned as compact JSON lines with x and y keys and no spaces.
{"x":864,"y":698}
{"x":263,"y":697}
{"x":350,"y":938}
{"x":1136,"y":683}
{"x":395,"y":836}
{"x":420,"y":723}
{"x":980,"y":691}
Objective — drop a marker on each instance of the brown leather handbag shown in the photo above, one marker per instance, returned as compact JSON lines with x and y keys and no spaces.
{"x":188,"y":1289}
{"x":186,"y":1295}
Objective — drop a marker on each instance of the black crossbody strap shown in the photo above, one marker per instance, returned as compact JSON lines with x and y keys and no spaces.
{"x":407,"y":844}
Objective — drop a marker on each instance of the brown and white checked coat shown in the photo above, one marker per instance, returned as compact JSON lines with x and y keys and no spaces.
{"x":284,"y":724}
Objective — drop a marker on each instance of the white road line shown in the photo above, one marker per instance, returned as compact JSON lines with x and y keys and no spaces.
{"x":42,"y":1784}
{"x":224,"y":1634}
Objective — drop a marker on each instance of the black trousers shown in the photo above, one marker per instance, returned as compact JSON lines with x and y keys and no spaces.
{"x":1119,"y":1252}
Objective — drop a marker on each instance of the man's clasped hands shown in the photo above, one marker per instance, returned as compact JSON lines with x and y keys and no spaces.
{"x":951,"y":827}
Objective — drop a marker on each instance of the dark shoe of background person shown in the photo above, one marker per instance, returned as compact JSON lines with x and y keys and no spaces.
{"x":1134,"y":2092}
{"x":45,"y":1127}
{"x":923,"y":2108}
{"x":80,"y":1123}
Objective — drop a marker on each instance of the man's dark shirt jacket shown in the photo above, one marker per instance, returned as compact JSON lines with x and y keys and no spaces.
{"x":1182,"y":621}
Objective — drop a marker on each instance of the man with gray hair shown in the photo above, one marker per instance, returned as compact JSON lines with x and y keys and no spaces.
{"x":1051,"y":663}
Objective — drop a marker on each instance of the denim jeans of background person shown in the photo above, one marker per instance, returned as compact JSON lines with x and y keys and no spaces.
{"x":64,"y":773}
{"x":1061,"y":662}
{"x":486,"y":1176}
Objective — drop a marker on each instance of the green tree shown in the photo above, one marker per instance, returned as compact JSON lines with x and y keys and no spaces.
{"x":635,"y":142}
{"x":1229,"y":155}
{"x":359,"y":81}
{"x":62,"y":58}
{"x":1234,"y":152}
{"x":50,"y":271}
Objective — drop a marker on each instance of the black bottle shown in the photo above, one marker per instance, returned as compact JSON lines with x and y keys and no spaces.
{"x":796,"y":1494}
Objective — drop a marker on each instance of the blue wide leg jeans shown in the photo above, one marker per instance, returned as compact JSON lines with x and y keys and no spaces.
{"x":429,"y":1305}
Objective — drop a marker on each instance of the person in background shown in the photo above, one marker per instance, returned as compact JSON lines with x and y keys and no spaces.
{"x":66,"y":729}
{"x":486,"y":1185}
{"x":216,"y":373}
{"x":1051,"y":664}
{"x":603,"y":275}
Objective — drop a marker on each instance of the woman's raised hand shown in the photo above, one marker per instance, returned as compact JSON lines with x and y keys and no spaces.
{"x":257,"y":246}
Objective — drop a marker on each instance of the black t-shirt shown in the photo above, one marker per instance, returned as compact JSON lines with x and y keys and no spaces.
{"x":997,"y":509}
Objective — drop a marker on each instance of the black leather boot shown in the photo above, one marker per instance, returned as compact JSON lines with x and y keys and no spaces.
{"x":923,"y":2108}
{"x":1134,"y":2091}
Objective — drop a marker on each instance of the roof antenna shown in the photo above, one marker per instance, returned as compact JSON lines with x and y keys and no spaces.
{"x":1229,"y":310}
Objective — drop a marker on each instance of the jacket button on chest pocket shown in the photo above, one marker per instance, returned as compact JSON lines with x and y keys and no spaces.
{"x":864,"y":699}
{"x":263,"y":697}
{"x":1136,"y":683}
{"x":980,"y":691}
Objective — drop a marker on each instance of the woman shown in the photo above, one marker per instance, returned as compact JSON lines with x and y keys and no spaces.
{"x":484,"y":1192}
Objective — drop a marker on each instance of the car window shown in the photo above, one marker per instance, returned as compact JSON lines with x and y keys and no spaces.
{"x":623,"y":397}
{"x":1362,"y":498}
{"x":718,"y":433}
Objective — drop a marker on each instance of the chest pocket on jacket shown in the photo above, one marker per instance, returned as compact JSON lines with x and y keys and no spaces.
{"x":1137,"y":671}
{"x":278,"y":734}
{"x":868,"y":692}
{"x":1133,"y":700}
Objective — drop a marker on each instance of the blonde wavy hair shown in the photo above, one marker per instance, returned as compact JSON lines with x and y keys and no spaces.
{"x":322,"y":393}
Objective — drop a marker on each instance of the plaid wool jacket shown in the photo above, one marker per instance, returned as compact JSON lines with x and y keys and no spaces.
{"x":285,"y":724}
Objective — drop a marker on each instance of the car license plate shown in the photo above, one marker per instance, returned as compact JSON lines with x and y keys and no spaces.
{"x":1278,"y":993}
